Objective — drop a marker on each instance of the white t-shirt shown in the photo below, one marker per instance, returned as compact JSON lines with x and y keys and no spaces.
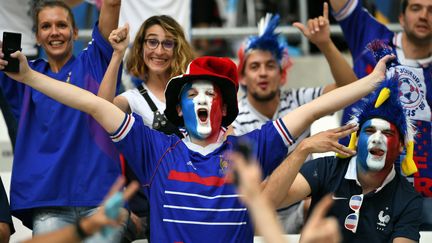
{"x":139,"y":105}
{"x":249,"y":118}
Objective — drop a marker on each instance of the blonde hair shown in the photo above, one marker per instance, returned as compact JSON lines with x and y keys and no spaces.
{"x":183,"y":53}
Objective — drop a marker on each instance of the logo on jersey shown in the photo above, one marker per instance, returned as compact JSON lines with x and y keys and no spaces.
{"x":68,"y":77}
{"x":383,"y":219}
{"x":412,"y":91}
{"x":223,"y":165}
{"x":189,"y":163}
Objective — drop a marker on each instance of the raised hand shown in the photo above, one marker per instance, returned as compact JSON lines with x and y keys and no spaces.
{"x":95,"y":222}
{"x":249,"y":177}
{"x":24,"y":69}
{"x":319,"y":228}
{"x":317,"y":29}
{"x":380,"y":68}
{"x":119,"y":39}
{"x":328,"y":141}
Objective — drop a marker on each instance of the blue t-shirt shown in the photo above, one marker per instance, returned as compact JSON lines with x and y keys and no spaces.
{"x":392,"y":211}
{"x":63,"y":157}
{"x":415,"y":83}
{"x":190,"y":199}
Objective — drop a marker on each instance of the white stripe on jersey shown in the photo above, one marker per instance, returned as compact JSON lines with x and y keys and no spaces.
{"x":205,"y":209}
{"x":203,"y":223}
{"x":201,"y":196}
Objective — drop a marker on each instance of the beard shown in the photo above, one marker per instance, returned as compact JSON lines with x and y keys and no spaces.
{"x":264,"y":98}
{"x":421,"y":41}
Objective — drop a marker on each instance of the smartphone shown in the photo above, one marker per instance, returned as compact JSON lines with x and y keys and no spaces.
{"x":11,"y":44}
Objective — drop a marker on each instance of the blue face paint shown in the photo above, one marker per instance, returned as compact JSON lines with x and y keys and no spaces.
{"x":362,"y":144}
{"x":188,"y":109}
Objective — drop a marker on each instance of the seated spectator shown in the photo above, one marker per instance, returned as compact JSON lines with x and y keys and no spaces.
{"x":373,"y":201}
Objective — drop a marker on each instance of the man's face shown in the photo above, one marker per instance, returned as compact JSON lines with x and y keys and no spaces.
{"x":378,"y":145}
{"x":262,"y":75}
{"x":55,"y":33}
{"x":417,"y":21}
{"x":202,"y":108}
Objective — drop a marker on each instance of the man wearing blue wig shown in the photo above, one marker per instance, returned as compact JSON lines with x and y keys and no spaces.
{"x":373,"y":202}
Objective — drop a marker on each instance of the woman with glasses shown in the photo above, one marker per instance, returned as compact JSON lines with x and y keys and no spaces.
{"x":159,"y":52}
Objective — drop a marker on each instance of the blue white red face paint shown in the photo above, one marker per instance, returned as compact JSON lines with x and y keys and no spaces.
{"x":201,"y":105}
{"x":378,"y":144}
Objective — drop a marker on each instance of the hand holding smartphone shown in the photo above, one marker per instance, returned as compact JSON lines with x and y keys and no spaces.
{"x":11,"y":44}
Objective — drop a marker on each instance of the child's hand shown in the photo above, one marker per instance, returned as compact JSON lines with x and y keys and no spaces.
{"x":119,"y":39}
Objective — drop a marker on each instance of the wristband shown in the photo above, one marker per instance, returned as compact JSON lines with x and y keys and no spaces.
{"x":80,"y":231}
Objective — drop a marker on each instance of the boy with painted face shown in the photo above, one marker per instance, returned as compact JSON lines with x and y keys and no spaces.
{"x":373,"y":201}
{"x":202,"y":103}
{"x":190,"y":198}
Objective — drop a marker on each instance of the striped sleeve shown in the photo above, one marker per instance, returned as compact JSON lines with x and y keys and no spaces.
{"x":124,"y":128}
{"x":346,"y":10}
{"x":283,"y":132}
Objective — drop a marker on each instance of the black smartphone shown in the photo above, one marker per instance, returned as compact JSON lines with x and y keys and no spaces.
{"x":11,"y":44}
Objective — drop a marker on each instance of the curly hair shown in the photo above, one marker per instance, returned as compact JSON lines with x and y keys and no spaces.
{"x":183,"y":53}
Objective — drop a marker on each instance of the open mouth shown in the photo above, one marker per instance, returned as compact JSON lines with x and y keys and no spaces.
{"x":202,"y":115}
{"x":377,"y":152}
{"x":263,"y":85}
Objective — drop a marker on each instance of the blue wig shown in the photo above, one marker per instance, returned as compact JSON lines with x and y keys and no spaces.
{"x":390,"y":110}
{"x":266,"y":40}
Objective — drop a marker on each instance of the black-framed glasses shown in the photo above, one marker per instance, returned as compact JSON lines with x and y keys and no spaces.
{"x":351,"y":221}
{"x":154,"y":43}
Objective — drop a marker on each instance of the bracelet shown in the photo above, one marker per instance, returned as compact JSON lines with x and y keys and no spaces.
{"x":80,"y":231}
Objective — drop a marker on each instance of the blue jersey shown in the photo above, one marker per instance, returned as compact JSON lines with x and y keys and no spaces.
{"x":190,"y":198}
{"x":415,"y":82}
{"x":63,"y":157}
{"x":392,"y":210}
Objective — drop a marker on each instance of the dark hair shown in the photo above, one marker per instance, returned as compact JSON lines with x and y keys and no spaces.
{"x":183,"y":53}
{"x":403,"y":5}
{"x":40,"y":5}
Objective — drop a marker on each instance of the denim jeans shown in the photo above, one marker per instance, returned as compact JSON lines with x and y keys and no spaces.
{"x":53,"y":218}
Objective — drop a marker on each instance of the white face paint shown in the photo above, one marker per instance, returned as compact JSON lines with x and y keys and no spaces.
{"x":373,"y":144}
{"x":203,"y":103}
